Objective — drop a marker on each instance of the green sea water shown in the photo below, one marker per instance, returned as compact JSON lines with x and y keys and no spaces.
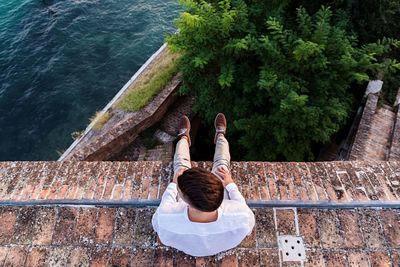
{"x":61,"y":61}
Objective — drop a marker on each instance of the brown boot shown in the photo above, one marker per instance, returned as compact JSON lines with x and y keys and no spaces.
{"x":220,"y":125}
{"x":184,"y":128}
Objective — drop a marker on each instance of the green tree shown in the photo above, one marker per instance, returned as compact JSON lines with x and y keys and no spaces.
{"x":284,"y":84}
{"x":371,"y":20}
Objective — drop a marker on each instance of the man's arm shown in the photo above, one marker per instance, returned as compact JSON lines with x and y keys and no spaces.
{"x":171,"y":192}
{"x":229,"y":184}
{"x":167,"y":201}
{"x":169,"y":195}
{"x":234,"y":193}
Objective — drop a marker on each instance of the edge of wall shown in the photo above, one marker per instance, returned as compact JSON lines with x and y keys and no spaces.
{"x":394,"y":152}
{"x":358,"y":146}
{"x":116,"y":97}
{"x":126,"y":129}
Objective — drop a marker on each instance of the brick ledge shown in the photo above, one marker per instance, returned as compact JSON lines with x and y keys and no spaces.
{"x":343,"y":181}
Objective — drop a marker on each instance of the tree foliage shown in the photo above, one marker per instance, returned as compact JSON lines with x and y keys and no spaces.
{"x":371,"y":20}
{"x":285,"y":84}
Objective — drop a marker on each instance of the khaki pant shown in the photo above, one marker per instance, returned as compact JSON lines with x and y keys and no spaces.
{"x":222,"y":156}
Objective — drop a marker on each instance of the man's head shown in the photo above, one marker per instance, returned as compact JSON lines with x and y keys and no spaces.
{"x":201,"y":189}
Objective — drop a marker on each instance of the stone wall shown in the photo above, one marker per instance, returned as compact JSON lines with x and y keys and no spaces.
{"x":358,"y":148}
{"x":124,"y":127}
{"x":395,"y":144}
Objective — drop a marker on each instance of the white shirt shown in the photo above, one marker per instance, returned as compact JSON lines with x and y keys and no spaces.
{"x":172,"y":224}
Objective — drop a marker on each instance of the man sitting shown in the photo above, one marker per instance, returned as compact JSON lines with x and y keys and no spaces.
{"x":202,"y":213}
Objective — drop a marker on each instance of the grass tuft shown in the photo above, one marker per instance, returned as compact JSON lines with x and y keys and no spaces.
{"x":76,"y":135}
{"x":100,"y":119}
{"x":158,"y":75}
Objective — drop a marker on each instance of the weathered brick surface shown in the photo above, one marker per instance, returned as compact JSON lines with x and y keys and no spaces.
{"x":357,"y":189}
{"x":271,"y":181}
{"x":361,"y":137}
{"x":11,"y":179}
{"x":36,"y":257}
{"x":65,"y":228}
{"x":60,"y":256}
{"x":24,"y":226}
{"x":285,"y":220}
{"x":380,"y":258}
{"x":124,"y":226}
{"x":394,"y":153}
{"x":8,"y":218}
{"x":80,"y":256}
{"x":396,"y":257}
{"x":181,"y":259}
{"x":42,"y":228}
{"x":374,"y":134}
{"x":250,"y":240}
{"x":248,"y":257}
{"x":308,"y":227}
{"x":105,"y":225}
{"x":314,"y":258}
{"x":358,"y":259}
{"x":349,"y":222}
{"x":142,"y":256}
{"x":120,"y":257}
{"x":391,"y":218}
{"x":372,"y":229}
{"x":329,"y":229}
{"x":100,"y":236}
{"x":16,"y":256}
{"x":110,"y":180}
{"x":335,"y":258}
{"x":269,"y":257}
{"x":205,"y":261}
{"x":265,"y":228}
{"x":99,"y":256}
{"x":85,"y":225}
{"x":163,"y":257}
{"x":333,"y":181}
{"x":144,"y":234}
{"x":227,"y":259}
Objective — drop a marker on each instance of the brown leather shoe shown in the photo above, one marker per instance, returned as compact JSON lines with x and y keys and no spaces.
{"x":220,"y":125}
{"x":184,"y":129}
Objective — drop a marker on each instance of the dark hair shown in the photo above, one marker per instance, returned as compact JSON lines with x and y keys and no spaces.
{"x":201,"y":188}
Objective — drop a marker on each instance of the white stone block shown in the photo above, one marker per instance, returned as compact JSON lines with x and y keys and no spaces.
{"x":163,"y":137}
{"x":397,"y":98}
{"x":374,"y":87}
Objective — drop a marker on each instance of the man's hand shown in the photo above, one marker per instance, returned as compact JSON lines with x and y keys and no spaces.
{"x":177,"y":174}
{"x":225,"y":175}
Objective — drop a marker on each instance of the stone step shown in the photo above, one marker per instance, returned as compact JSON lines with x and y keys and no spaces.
{"x":162,"y":152}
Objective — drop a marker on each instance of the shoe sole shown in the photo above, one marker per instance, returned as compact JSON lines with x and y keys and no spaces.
{"x":215,"y":126}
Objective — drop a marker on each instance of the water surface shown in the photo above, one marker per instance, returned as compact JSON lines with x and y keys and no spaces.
{"x":61,"y":61}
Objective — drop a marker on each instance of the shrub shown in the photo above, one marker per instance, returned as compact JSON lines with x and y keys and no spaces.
{"x":284,"y":84}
